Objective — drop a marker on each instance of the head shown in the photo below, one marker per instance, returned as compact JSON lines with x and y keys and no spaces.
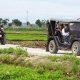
{"x":66,"y":26}
{"x":61,"y":26}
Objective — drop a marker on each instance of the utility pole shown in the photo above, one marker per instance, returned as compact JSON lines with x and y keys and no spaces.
{"x":27,"y":18}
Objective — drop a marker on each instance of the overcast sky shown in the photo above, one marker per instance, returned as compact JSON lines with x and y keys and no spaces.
{"x":39,"y":9}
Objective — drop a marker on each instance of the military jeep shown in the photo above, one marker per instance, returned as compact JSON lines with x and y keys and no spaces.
{"x":54,"y":42}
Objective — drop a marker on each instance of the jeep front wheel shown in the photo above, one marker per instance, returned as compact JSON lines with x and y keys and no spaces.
{"x":76,"y":48}
{"x":52,"y":47}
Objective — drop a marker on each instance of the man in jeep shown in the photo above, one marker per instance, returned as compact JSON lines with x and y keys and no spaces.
{"x":65,"y":33}
{"x":58,"y":32}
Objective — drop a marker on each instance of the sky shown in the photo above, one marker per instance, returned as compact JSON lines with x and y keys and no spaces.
{"x":39,"y":9}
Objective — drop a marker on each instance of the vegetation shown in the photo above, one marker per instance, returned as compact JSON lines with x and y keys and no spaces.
{"x":26,"y":35}
{"x":16,"y":64}
{"x":65,"y":67}
{"x":9,"y":24}
{"x":4,"y":21}
{"x":17,"y":51}
{"x":40,"y":23}
{"x":17,"y":22}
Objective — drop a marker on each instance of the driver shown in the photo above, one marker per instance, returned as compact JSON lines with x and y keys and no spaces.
{"x":59,"y":32}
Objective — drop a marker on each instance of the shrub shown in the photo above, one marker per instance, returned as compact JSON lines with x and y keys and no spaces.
{"x":19,"y":51}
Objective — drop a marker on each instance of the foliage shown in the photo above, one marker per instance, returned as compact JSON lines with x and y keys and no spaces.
{"x":26,"y":35}
{"x":59,"y":68}
{"x":17,"y":51}
{"x":1,"y":20}
{"x":43,"y":23}
{"x":5,"y":21}
{"x":25,"y":29}
{"x":38,"y":22}
{"x":9,"y":24}
{"x":28,"y":23}
{"x":17,"y":22}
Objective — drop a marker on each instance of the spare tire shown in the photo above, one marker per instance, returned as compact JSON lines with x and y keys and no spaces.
{"x":76,"y":48}
{"x":52,"y":47}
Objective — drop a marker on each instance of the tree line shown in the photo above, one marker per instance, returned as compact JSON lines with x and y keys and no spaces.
{"x":17,"y":22}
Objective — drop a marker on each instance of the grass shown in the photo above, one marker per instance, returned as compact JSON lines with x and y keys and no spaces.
{"x":26,"y":35}
{"x":10,"y":72}
{"x":12,"y":67}
{"x":17,"y":51}
{"x":53,"y":68}
{"x":23,"y":29}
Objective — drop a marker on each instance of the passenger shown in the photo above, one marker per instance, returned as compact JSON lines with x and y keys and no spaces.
{"x":2,"y":30}
{"x":59,"y":32}
{"x":65,"y":33}
{"x":59,"y":29}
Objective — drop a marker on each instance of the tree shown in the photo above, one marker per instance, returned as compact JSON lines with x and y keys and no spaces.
{"x":9,"y":24}
{"x":38,"y":22}
{"x":43,"y":22}
{"x":28,"y":23}
{"x":1,"y":20}
{"x":17,"y":22}
{"x":5,"y":21}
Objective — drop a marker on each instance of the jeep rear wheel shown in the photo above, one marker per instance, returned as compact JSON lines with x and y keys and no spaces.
{"x":76,"y":48}
{"x":52,"y":47}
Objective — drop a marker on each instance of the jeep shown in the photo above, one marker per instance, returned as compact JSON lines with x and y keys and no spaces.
{"x":54,"y":42}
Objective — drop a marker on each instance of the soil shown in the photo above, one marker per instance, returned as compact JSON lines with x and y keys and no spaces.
{"x":31,"y":44}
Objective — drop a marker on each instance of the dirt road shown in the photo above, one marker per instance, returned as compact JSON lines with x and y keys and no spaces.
{"x":42,"y":52}
{"x":35,"y":51}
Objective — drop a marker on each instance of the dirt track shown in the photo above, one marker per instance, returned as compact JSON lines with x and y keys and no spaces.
{"x":30,"y":44}
{"x":35,"y":51}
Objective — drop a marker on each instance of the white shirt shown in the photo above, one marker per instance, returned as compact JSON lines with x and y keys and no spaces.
{"x":65,"y":33}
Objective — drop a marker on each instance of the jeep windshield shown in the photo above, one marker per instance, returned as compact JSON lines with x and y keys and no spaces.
{"x":75,"y":26}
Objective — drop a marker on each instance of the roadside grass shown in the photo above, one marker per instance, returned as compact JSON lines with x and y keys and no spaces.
{"x":66,"y":57}
{"x":10,"y":72}
{"x":66,"y":67}
{"x":12,"y":51}
{"x":46,"y":70}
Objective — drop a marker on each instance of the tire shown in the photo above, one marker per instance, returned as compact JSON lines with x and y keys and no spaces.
{"x":52,"y":47}
{"x":76,"y":48}
{"x":3,"y":41}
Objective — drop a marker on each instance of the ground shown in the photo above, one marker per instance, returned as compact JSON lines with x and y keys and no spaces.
{"x":31,"y":44}
{"x":35,"y":51}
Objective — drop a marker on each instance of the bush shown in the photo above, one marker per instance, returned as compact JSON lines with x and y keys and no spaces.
{"x":17,"y":51}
